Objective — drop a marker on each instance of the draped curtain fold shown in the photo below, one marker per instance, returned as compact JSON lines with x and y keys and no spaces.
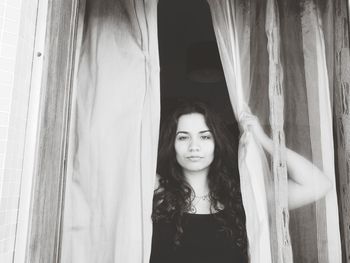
{"x":231,"y":21}
{"x":114,"y":139}
{"x":303,"y":83}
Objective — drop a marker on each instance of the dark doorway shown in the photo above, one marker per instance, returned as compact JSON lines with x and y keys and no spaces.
{"x":190,"y":66}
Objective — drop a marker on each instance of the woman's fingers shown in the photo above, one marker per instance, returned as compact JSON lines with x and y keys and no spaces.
{"x":250,"y":122}
{"x":247,"y":120}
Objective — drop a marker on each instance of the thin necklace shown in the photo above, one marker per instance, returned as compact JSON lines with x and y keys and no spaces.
{"x":198,"y":198}
{"x":202,"y":197}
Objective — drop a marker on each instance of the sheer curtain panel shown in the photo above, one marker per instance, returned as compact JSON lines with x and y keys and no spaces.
{"x":231,"y":21}
{"x":114,"y":135}
{"x":277,"y":58}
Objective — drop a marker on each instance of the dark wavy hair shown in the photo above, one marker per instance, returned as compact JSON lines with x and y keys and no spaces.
{"x":174,"y":195}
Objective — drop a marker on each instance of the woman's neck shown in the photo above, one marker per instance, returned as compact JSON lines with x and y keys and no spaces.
{"x":198,"y":181}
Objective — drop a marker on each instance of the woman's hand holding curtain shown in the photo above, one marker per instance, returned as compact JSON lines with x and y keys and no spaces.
{"x":306,"y":182}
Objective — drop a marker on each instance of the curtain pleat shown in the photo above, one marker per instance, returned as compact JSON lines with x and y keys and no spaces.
{"x":114,"y":135}
{"x":231,"y":21}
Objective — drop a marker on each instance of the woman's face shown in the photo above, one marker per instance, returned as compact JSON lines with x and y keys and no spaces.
{"x":194,"y":143}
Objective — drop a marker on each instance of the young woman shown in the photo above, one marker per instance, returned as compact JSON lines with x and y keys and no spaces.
{"x":198,"y":215}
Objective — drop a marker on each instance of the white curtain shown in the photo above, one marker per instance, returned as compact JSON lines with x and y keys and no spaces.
{"x":114,"y":135}
{"x":231,"y":23}
{"x":248,"y":58}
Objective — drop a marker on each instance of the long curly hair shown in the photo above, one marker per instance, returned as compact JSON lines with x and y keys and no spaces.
{"x":174,"y":195}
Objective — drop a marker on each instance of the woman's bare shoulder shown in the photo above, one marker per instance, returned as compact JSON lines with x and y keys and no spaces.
{"x":157,"y":190}
{"x":156,"y":182}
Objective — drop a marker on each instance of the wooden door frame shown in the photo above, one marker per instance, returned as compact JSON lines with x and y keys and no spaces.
{"x":47,"y":199}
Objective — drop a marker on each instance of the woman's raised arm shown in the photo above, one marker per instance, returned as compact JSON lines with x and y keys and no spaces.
{"x":306,"y":183}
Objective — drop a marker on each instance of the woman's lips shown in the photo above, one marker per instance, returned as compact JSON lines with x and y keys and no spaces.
{"x":194,"y":158}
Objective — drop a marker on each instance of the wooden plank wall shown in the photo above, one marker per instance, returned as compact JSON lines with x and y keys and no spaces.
{"x":342,"y":119}
{"x":47,"y":196}
{"x":281,"y":245}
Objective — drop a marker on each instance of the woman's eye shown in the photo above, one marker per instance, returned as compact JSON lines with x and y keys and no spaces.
{"x":205,"y":137}
{"x":182,"y":138}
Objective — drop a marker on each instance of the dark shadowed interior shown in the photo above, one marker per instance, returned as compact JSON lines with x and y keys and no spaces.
{"x":189,"y":57}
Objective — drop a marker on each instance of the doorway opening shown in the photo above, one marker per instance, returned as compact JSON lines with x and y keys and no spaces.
{"x":190,"y":66}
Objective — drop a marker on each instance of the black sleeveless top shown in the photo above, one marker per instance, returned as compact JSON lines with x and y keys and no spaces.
{"x":201,"y":242}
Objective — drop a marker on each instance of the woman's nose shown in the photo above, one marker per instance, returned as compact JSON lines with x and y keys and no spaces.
{"x":194,"y":145}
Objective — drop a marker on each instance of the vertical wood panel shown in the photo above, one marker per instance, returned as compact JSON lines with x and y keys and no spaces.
{"x":303,"y":225}
{"x":342,"y":118}
{"x":44,"y":233}
{"x":320,"y":119}
{"x":282,"y":250}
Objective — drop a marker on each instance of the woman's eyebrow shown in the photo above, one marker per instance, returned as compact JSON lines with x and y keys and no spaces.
{"x":185,"y":132}
{"x":182,"y":132}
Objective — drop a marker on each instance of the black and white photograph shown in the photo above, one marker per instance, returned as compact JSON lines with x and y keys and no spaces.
{"x":174,"y":131}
